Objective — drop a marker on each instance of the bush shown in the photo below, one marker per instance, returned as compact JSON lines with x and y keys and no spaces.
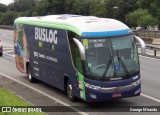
{"x":8,"y":18}
{"x":3,"y":8}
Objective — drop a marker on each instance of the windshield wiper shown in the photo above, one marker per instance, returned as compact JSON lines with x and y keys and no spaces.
{"x":106,"y":69}
{"x":123,"y":64}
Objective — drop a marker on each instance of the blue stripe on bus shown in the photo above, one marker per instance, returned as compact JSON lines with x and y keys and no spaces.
{"x":106,"y":33}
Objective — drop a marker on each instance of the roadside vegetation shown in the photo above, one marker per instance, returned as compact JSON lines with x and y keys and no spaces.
{"x":134,"y":13}
{"x":147,"y":34}
{"x":9,"y":99}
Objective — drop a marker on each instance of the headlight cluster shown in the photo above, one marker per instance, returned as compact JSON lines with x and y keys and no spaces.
{"x":92,"y":86}
{"x":136,"y":83}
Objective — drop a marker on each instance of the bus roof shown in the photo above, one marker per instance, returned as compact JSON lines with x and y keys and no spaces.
{"x":87,"y":26}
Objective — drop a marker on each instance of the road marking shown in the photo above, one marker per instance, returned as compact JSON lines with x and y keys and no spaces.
{"x":152,"y":98}
{"x":9,"y":55}
{"x":9,"y":51}
{"x":8,"y":48}
{"x":7,"y":44}
{"x":47,"y":95}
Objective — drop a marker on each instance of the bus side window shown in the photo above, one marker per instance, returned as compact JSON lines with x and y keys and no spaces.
{"x":75,"y":52}
{"x":78,"y":61}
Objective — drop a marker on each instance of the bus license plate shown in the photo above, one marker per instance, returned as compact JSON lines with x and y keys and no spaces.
{"x":116,"y":95}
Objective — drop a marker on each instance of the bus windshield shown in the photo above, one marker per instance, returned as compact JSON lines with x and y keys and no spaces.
{"x":111,"y":58}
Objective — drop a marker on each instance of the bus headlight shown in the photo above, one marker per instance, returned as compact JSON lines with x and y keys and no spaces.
{"x":136,"y":83}
{"x":92,"y":86}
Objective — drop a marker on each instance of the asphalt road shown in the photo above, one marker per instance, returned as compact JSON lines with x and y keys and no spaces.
{"x":40,"y":94}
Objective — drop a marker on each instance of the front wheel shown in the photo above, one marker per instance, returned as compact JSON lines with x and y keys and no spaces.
{"x":70,"y":91}
{"x":30,"y":76}
{"x":1,"y":53}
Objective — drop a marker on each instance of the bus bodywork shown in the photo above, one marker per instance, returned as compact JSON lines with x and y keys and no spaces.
{"x":91,"y":58}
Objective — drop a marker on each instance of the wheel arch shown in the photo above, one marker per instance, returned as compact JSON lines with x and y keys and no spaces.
{"x":66,"y":78}
{"x":27,"y":64}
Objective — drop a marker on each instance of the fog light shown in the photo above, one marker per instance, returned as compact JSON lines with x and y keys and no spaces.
{"x":93,"y":96}
{"x":137,"y":91}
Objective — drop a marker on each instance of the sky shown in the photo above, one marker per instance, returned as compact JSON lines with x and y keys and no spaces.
{"x":6,"y":2}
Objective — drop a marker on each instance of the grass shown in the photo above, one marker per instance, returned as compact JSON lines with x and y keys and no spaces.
{"x":9,"y":99}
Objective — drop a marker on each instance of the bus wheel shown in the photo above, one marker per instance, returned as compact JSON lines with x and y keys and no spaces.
{"x":70,"y":91}
{"x":1,"y":53}
{"x":30,"y":76}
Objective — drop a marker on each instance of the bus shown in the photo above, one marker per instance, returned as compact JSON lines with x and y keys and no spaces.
{"x":90,"y":58}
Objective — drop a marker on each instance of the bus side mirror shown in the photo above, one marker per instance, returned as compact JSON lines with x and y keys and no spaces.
{"x":81,"y":48}
{"x":142,"y":43}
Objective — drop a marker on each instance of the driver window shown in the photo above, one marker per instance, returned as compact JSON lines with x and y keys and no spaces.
{"x":76,"y":58}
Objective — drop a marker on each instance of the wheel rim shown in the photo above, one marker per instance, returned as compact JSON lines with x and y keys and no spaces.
{"x":70,"y":92}
{"x":29,"y":75}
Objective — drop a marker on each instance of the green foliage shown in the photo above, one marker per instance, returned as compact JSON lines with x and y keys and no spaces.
{"x":47,"y":7}
{"x":141,"y":17}
{"x":22,"y":5}
{"x":3,"y":8}
{"x":119,"y":8}
{"x":144,"y":3}
{"x":153,"y":7}
{"x":97,"y":8}
{"x":131,"y":12}
{"x":9,"y":99}
{"x":8,"y":18}
{"x":79,"y":7}
{"x":1,"y":14}
{"x":147,"y":20}
{"x":133,"y":17}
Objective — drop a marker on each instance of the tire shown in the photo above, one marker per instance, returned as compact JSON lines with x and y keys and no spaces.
{"x":1,"y":53}
{"x":29,"y":74}
{"x":70,"y":92}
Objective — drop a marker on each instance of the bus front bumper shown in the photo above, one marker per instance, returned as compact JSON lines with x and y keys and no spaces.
{"x":101,"y":94}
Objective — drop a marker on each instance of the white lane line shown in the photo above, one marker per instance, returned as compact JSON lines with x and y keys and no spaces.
{"x":7,"y":44}
{"x":5,"y":53}
{"x":149,"y":58}
{"x":152,"y":98}
{"x":9,"y":51}
{"x":45,"y":94}
{"x":7,"y":48}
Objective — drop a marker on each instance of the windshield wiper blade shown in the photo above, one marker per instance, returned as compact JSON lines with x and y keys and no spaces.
{"x":123,"y":64}
{"x":106,"y":69}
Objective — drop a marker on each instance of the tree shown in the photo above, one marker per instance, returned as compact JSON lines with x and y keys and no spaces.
{"x":3,"y":8}
{"x":153,"y":7}
{"x":147,"y":20}
{"x":97,"y":8}
{"x":140,"y":17}
{"x":47,"y":7}
{"x":8,"y":18}
{"x":79,"y":7}
{"x":119,"y":8}
{"x":22,"y":5}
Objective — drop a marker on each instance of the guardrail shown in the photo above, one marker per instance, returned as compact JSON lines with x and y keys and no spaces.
{"x":147,"y":33}
{"x":155,"y":48}
{"x":149,"y":36}
{"x":6,"y":27}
